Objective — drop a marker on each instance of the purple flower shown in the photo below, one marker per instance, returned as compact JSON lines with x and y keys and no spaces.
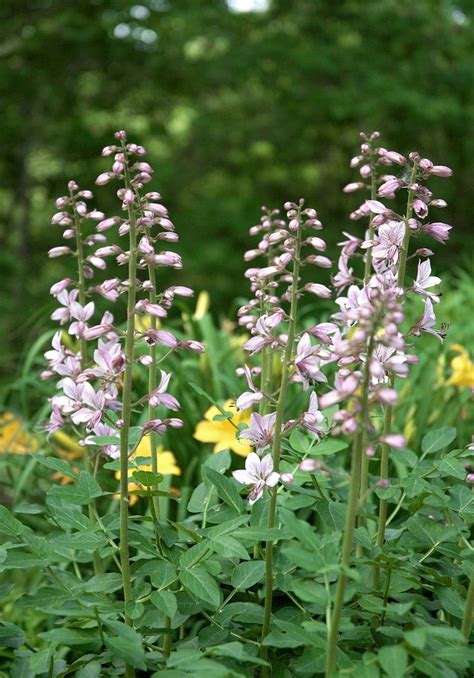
{"x":261,"y":430}
{"x":81,"y":314}
{"x":313,"y":418}
{"x":159,"y":395}
{"x":424,"y":280}
{"x":93,"y":404}
{"x":258,"y":474}
{"x":438,"y":230}
{"x":251,"y":397}
{"x":427,"y":322}
{"x":388,"y":241}
{"x":307,"y":363}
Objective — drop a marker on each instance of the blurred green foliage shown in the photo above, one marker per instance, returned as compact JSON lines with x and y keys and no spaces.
{"x":236,"y":110}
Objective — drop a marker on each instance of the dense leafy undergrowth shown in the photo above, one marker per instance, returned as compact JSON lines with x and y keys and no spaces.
{"x":198,"y":573}
{"x":132,"y":540}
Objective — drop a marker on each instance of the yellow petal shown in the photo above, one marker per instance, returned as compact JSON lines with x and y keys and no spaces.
{"x":209,"y":431}
{"x":14,"y":438}
{"x":202,"y":305}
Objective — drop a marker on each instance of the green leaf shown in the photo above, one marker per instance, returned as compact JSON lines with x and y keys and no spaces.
{"x":11,"y":635}
{"x":228,"y":547}
{"x":450,"y":466}
{"x":246,"y":575}
{"x":126,"y":645}
{"x":165,"y":601}
{"x":329,"y":446}
{"x":164,"y":575}
{"x":22,"y":560}
{"x":452,"y":602}
{"x":58,"y":465}
{"x":90,"y":670}
{"x":147,"y":478}
{"x":394,"y":660}
{"x":226,"y":489}
{"x":83,"y":541}
{"x":82,"y":492}
{"x":194,"y":554}
{"x":103,"y":440}
{"x":428,"y":531}
{"x":255,"y":534}
{"x":69,"y":636}
{"x":9,"y":524}
{"x":221,"y":461}
{"x":103,"y":583}
{"x":437,"y":440}
{"x":201,"y":585}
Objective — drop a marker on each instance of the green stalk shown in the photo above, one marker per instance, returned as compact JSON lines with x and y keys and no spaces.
{"x":364,"y":472}
{"x":126,"y":412}
{"x":151,"y":387}
{"x":388,"y":415}
{"x":276,"y":448}
{"x":358,"y":451}
{"x":468,"y":610}
{"x":88,"y":457}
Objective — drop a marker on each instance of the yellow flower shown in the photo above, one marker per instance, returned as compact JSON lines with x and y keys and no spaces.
{"x":223,"y":433}
{"x":202,"y":305}
{"x":166,"y":463}
{"x":14,"y":438}
{"x":462,"y":367}
{"x":144,"y":323}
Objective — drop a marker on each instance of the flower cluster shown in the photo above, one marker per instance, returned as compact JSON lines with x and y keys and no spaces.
{"x":286,"y":245}
{"x":92,"y":370}
{"x":387,"y":240}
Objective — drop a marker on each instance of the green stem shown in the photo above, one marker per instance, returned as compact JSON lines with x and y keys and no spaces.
{"x":358,"y":451}
{"x":129,"y":351}
{"x":370,"y":234}
{"x":88,"y":456}
{"x":151,"y":387}
{"x":468,"y":610}
{"x":364,"y":481}
{"x":388,"y":416}
{"x":276,"y":448}
{"x":167,"y":638}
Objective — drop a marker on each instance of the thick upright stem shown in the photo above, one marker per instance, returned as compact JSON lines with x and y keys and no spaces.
{"x":351,"y":515}
{"x":364,"y":472}
{"x":388,"y":416}
{"x":151,"y":387}
{"x":468,"y":610}
{"x":276,"y":448}
{"x":129,"y":351}
{"x":370,"y":234}
{"x":88,"y":460}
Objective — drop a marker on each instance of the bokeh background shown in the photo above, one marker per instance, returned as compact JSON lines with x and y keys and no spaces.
{"x":239,"y":102}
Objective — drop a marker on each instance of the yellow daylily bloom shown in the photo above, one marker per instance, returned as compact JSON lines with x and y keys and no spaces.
{"x":462,"y":368}
{"x":202,"y":305}
{"x":144,"y":323}
{"x":223,"y":433}
{"x":167,"y":464}
{"x":14,"y":438}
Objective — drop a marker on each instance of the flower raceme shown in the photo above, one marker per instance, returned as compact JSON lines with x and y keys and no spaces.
{"x":91,"y":378}
{"x":285,"y":245}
